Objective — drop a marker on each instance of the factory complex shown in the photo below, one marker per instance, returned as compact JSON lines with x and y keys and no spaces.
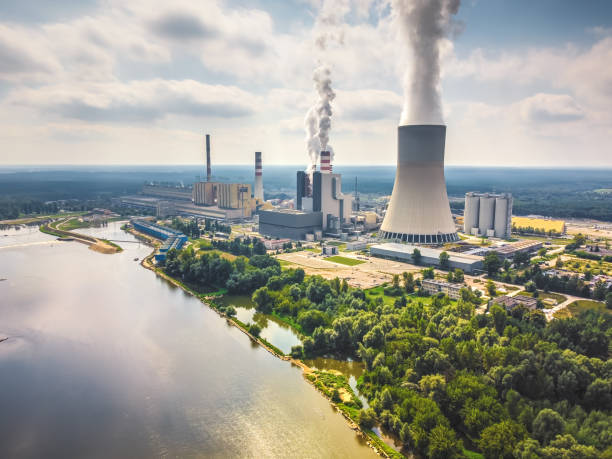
{"x":488,"y":215}
{"x":172,"y":239}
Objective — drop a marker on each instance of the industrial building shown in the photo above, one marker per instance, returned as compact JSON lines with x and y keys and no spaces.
{"x":488,"y":215}
{"x":429,"y":256}
{"x":509,"y":250}
{"x":172,"y":239}
{"x":324,"y":194}
{"x":321,"y":207}
{"x":419,"y":211}
{"x":511,"y":302}
{"x":356,"y":245}
{"x":432,"y":287}
{"x":288,"y":223}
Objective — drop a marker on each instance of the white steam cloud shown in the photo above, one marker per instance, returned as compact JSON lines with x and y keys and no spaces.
{"x":423,"y":24}
{"x":317,"y":123}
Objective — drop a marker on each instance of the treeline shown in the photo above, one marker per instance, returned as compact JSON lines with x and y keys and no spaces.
{"x":238,"y":246}
{"x":440,"y":377}
{"x":535,"y":231}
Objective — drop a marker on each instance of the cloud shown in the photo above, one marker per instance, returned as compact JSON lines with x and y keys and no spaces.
{"x":140,"y":101}
{"x":550,"y":108}
{"x":369,"y":105}
{"x":182,"y":26}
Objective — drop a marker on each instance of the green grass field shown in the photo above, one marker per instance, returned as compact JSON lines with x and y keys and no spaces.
{"x":578,"y":306}
{"x":345,"y":260}
{"x":546,"y":296}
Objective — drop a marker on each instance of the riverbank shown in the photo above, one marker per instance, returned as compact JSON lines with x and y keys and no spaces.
{"x":309,"y":374}
{"x":95,"y":244}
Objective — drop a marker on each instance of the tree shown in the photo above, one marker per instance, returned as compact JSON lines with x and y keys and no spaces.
{"x":416,"y":256}
{"x":428,"y":273}
{"x":443,"y":443}
{"x":408,"y":282}
{"x":254,"y":330}
{"x":366,"y":418}
{"x":491,"y":288}
{"x":492,"y":263}
{"x":263,"y":300}
{"x":609,"y":300}
{"x":499,"y":440}
{"x":444,"y":260}
{"x":459,"y":277}
{"x":547,"y":425}
{"x":521,"y":258}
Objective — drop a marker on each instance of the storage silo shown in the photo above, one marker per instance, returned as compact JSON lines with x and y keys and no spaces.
{"x":470,"y":214}
{"x":503,"y":216}
{"x":486,"y":214}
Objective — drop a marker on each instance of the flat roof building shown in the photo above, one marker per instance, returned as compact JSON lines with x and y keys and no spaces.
{"x":288,"y":223}
{"x":429,"y":256}
{"x":511,"y":302}
{"x":432,"y":286}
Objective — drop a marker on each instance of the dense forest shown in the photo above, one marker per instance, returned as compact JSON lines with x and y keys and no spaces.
{"x":438,"y":376}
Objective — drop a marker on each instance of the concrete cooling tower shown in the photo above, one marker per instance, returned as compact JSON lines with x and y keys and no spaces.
{"x":419,"y":211}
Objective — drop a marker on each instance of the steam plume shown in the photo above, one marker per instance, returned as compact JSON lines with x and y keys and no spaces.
{"x":317,"y":122}
{"x":423,"y":25}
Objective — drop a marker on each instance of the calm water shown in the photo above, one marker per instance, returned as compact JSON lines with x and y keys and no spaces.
{"x":104,"y":359}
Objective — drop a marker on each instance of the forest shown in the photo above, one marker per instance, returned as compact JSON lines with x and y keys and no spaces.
{"x":438,"y":376}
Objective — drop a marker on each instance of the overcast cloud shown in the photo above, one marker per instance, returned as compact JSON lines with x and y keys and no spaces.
{"x":83,"y":82}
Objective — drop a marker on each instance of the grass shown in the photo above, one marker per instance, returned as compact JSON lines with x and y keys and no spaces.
{"x":344,"y":260}
{"x":578,"y":306}
{"x":472,"y":454}
{"x":72,"y":224}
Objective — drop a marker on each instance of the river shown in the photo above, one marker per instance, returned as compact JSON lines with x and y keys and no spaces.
{"x":105,"y":359}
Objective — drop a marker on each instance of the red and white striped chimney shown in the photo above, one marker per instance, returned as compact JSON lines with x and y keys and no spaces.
{"x":326,"y":162}
{"x":258,"y":190}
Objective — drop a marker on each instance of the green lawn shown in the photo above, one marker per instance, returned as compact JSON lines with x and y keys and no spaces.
{"x":345,"y":260}
{"x":581,"y":305}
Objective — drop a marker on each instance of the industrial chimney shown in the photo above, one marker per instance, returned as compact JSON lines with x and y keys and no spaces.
{"x":258,"y":190}
{"x":326,"y":161}
{"x":419,"y":211}
{"x":208,"y":157}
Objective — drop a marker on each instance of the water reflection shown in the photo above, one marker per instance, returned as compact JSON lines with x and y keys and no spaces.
{"x":105,"y":359}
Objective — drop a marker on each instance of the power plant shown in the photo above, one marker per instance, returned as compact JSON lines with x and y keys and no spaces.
{"x":419,"y":211}
{"x":258,"y":189}
{"x":488,"y":215}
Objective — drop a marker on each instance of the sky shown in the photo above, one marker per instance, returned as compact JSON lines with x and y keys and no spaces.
{"x":523,"y":82}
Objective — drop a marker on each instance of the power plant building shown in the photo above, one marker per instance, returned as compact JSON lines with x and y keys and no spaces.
{"x":488,"y":214}
{"x":258,"y":189}
{"x":419,"y":211}
{"x":288,"y":223}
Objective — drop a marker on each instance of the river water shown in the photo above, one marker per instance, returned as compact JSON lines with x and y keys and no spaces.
{"x":104,"y":359}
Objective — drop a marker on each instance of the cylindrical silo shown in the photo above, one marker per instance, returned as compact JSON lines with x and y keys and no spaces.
{"x":501,"y":217}
{"x":486,"y":214}
{"x":470,"y":214}
{"x":419,"y":211}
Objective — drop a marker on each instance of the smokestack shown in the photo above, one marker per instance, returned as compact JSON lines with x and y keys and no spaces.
{"x":208,"y":174}
{"x":326,"y":161}
{"x":419,"y":211}
{"x":258,"y":191}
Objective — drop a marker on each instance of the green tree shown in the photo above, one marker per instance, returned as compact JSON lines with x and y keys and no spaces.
{"x":609,"y":300}
{"x":408,"y":282}
{"x":366,"y":418}
{"x":416,"y":256}
{"x":254,"y":330}
{"x":492,"y":263}
{"x":499,"y":440}
{"x":459,"y":277}
{"x":263,"y":300}
{"x":547,"y":425}
{"x":443,"y":443}
{"x":444,"y":259}
{"x":491,"y":288}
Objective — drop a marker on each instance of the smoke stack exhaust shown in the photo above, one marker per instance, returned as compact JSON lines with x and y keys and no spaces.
{"x":326,"y":161}
{"x":258,"y":190}
{"x":208,"y":174}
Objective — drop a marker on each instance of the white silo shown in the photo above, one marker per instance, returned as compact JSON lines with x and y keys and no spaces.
{"x":470,"y":214}
{"x":486,"y":214}
{"x":419,"y":211}
{"x":503,"y":216}
{"x":258,"y":189}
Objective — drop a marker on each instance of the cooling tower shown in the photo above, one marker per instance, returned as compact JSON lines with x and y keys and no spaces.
{"x":258,"y":190}
{"x":419,"y":210}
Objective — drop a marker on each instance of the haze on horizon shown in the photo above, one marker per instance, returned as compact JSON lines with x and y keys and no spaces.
{"x":108,"y":82}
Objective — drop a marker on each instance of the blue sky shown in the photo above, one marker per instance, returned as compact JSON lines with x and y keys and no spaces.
{"x":113,"y":82}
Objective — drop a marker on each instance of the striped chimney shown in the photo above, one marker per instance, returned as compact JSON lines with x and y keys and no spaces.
{"x":326,"y":161}
{"x":258,"y":190}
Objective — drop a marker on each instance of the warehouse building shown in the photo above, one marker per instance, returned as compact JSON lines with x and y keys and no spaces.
{"x":511,"y":302}
{"x":288,"y":223}
{"x":509,"y":250}
{"x":429,"y":256}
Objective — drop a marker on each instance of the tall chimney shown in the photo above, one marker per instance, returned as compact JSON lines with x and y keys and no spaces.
{"x":208,"y":157}
{"x":326,"y":162}
{"x":258,"y":190}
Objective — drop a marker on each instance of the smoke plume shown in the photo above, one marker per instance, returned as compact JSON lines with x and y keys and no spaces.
{"x":317,"y":123}
{"x":423,"y":25}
